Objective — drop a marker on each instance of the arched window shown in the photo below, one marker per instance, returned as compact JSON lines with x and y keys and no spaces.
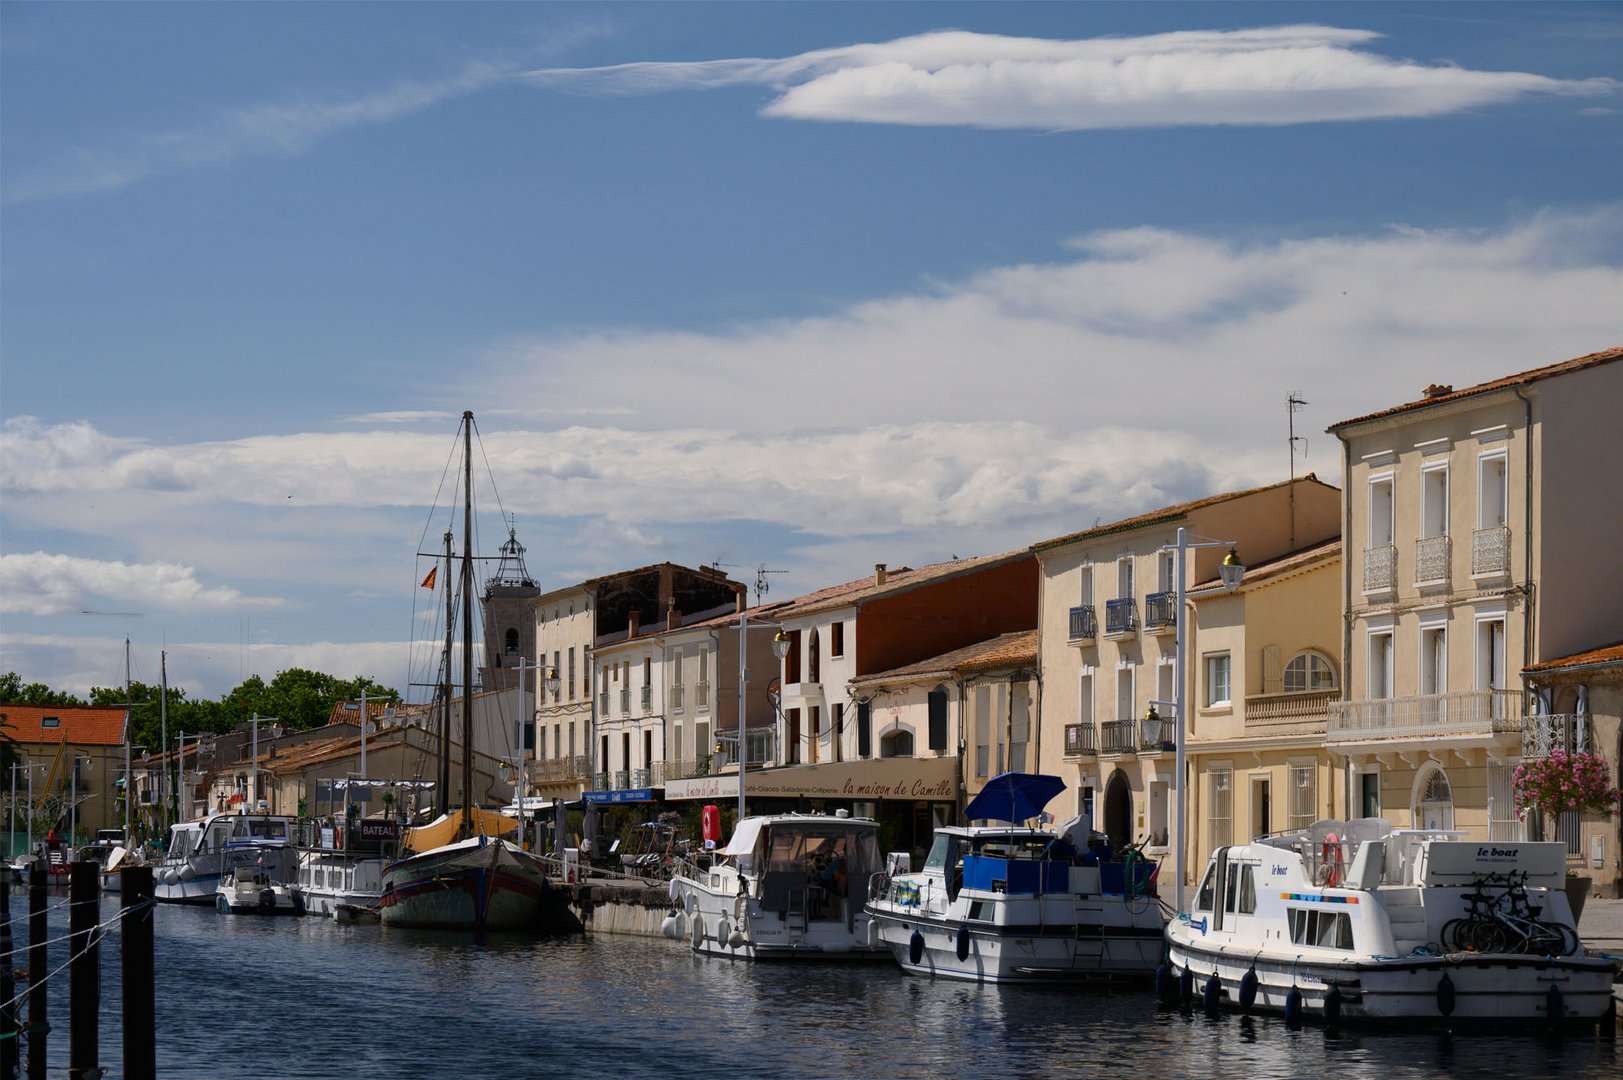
{"x":1434,"y":800}
{"x":1309,"y":672}
{"x":512,"y":641}
{"x":898,"y":743}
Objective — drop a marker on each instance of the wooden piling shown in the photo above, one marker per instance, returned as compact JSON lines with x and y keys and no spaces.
{"x":140,"y":1006}
{"x":38,"y":1027}
{"x":84,"y":971}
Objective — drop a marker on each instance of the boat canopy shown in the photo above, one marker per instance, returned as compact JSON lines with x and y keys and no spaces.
{"x":1013,"y":796}
{"x":443,"y":829}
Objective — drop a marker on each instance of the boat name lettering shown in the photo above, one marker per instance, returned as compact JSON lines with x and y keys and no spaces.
{"x":1276,"y":871}
{"x":1497,"y":853}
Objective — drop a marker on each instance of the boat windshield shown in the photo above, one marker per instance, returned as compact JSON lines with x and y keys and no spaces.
{"x":937,"y":859}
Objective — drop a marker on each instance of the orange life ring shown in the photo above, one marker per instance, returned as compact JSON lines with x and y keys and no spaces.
{"x":1332,"y":862}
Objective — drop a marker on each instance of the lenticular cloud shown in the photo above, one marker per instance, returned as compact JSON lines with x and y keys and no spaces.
{"x":1268,"y":76}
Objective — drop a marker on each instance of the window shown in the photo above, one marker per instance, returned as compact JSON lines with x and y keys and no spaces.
{"x":1241,"y":894}
{"x":983,"y":730}
{"x":1381,"y":529}
{"x":1166,"y":572}
{"x":836,"y":639}
{"x":572,"y":674}
{"x":1434,"y":660}
{"x":1084,"y":698}
{"x":511,"y":641}
{"x":50,"y":721}
{"x":864,"y":730}
{"x":1304,"y":797}
{"x":1490,"y":654}
{"x":1124,"y":694}
{"x":1435,"y":807}
{"x":837,"y":728}
{"x":648,"y":671}
{"x":1217,"y":679}
{"x":1085,"y":585}
{"x":1309,"y":672}
{"x":1492,"y":495}
{"x":1124,"y":578}
{"x":1221,"y":816}
{"x":1380,"y":664}
{"x":1203,"y":896}
{"x":938,"y":719}
{"x":1326,"y":929}
{"x":896,"y":744}
{"x":1434,"y":501}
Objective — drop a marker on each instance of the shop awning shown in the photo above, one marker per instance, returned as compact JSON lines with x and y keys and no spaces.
{"x":932,"y":779}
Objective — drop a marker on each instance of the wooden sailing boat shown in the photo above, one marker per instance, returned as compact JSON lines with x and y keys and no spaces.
{"x":457,"y":873}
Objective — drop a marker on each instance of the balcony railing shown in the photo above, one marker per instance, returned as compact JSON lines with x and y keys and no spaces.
{"x":1081,"y":740}
{"x":1472,"y":712}
{"x":1118,"y":737}
{"x":1490,"y":550}
{"x":1121,"y":616}
{"x":666,"y":771}
{"x":1571,"y":732}
{"x":1431,"y":554}
{"x":675,"y":698}
{"x":574,"y":767}
{"x":1084,"y":623}
{"x":1161,"y":612}
{"x":639,"y":778}
{"x":600,"y":781}
{"x":647,"y":699}
{"x":622,"y":778}
{"x":1380,"y":568}
{"x":1310,"y":709}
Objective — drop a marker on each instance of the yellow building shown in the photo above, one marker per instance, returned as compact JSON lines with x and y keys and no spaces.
{"x":1481,"y":537}
{"x":1107,"y":635}
{"x":1255,"y":742}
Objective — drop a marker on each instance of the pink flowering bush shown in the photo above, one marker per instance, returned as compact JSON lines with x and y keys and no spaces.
{"x":1563,"y":782}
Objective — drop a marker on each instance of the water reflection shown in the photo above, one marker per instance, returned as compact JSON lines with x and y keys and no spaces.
{"x":312,"y":998}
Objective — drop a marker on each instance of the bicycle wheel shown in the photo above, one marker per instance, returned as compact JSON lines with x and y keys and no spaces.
{"x":1488,"y":937}
{"x":1545,"y":940}
{"x":1453,"y":936}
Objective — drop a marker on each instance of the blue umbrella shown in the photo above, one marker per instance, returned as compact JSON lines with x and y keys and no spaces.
{"x":1013,"y":796}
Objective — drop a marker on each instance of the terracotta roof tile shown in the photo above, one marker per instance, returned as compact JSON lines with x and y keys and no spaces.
{"x":896,"y":581}
{"x":1565,"y":367}
{"x":84,"y":725}
{"x":1606,"y":654}
{"x":1005,"y":650}
{"x":1166,"y":514}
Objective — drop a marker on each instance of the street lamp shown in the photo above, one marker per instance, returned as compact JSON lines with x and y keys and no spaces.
{"x":1231,"y":572}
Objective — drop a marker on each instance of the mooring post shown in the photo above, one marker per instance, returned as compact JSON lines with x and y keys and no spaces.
{"x":140,"y":1008}
{"x":84,"y":970}
{"x":8,"y":987}
{"x":38,"y":1027}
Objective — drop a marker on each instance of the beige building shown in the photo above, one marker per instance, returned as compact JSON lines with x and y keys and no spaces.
{"x":1481,"y":532}
{"x":1108,"y":642}
{"x":1255,"y":744}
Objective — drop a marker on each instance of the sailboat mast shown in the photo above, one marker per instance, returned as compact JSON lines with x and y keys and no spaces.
{"x":129,"y":737}
{"x":445,"y":687}
{"x":467,"y":616}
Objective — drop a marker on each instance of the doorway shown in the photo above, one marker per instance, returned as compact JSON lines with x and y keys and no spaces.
{"x":1262,"y":811}
{"x":1119,"y":810}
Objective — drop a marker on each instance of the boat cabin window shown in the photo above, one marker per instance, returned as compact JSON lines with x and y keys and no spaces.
{"x":937,"y":859}
{"x":1203,"y":898}
{"x":1326,"y":929}
{"x":274,"y":830}
{"x":1242,"y":890}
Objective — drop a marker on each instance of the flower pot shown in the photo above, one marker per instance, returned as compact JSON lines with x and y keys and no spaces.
{"x":1577,"y":893}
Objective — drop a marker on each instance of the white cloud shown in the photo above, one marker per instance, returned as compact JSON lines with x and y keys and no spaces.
{"x":280,"y":129}
{"x":1265,"y":76}
{"x":41,"y":584}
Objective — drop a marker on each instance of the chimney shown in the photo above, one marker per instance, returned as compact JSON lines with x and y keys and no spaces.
{"x":742,"y":594}
{"x":670,"y":613}
{"x":634,"y":624}
{"x":879,"y":573}
{"x":1437,"y":390}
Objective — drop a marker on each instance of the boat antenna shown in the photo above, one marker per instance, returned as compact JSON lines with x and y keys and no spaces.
{"x":1293,"y":405}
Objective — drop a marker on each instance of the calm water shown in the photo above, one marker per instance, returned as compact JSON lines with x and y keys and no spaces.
{"x":291,"y":998}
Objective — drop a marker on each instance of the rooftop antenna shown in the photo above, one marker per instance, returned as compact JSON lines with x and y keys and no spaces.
{"x":1293,"y":405}
{"x":761,"y":584}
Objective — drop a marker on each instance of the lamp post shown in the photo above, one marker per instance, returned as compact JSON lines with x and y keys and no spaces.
{"x":780,"y":649}
{"x":1231,"y":571}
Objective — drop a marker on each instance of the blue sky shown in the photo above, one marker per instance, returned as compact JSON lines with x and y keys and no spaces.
{"x":812,"y":286}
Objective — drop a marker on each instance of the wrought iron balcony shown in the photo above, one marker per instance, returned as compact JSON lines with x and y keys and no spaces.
{"x":1431,"y":555}
{"x":665,"y":771}
{"x":1081,"y":740}
{"x":1572,"y":732}
{"x":622,"y":778}
{"x":639,"y":778}
{"x":573,"y":767}
{"x":675,"y":697}
{"x":1380,"y":568}
{"x":1161,"y":612}
{"x":1118,"y":737}
{"x":1490,"y":550}
{"x":1473,"y":712}
{"x":600,"y":781}
{"x":701,"y":695}
{"x":1121,"y":616}
{"x":1084,"y":623}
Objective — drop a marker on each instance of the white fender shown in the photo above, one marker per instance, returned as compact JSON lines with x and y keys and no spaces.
{"x":675,"y":889}
{"x":698,"y":931}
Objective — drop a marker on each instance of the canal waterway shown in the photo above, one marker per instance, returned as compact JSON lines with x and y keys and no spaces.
{"x":294,"y":998}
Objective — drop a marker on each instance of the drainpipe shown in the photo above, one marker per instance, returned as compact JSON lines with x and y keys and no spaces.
{"x":1346,"y":613}
{"x":1528,"y":655}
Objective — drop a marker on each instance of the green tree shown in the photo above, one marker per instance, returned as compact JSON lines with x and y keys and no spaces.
{"x":13,"y":691}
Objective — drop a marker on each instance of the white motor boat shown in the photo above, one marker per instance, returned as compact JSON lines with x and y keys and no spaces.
{"x":786,"y":886}
{"x":203,"y":853}
{"x":1009,"y":904}
{"x":250,"y":890}
{"x":343,"y":868}
{"x":1359,"y":921}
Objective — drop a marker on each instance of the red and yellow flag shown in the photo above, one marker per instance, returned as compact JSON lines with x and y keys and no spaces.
{"x":428,"y":582}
